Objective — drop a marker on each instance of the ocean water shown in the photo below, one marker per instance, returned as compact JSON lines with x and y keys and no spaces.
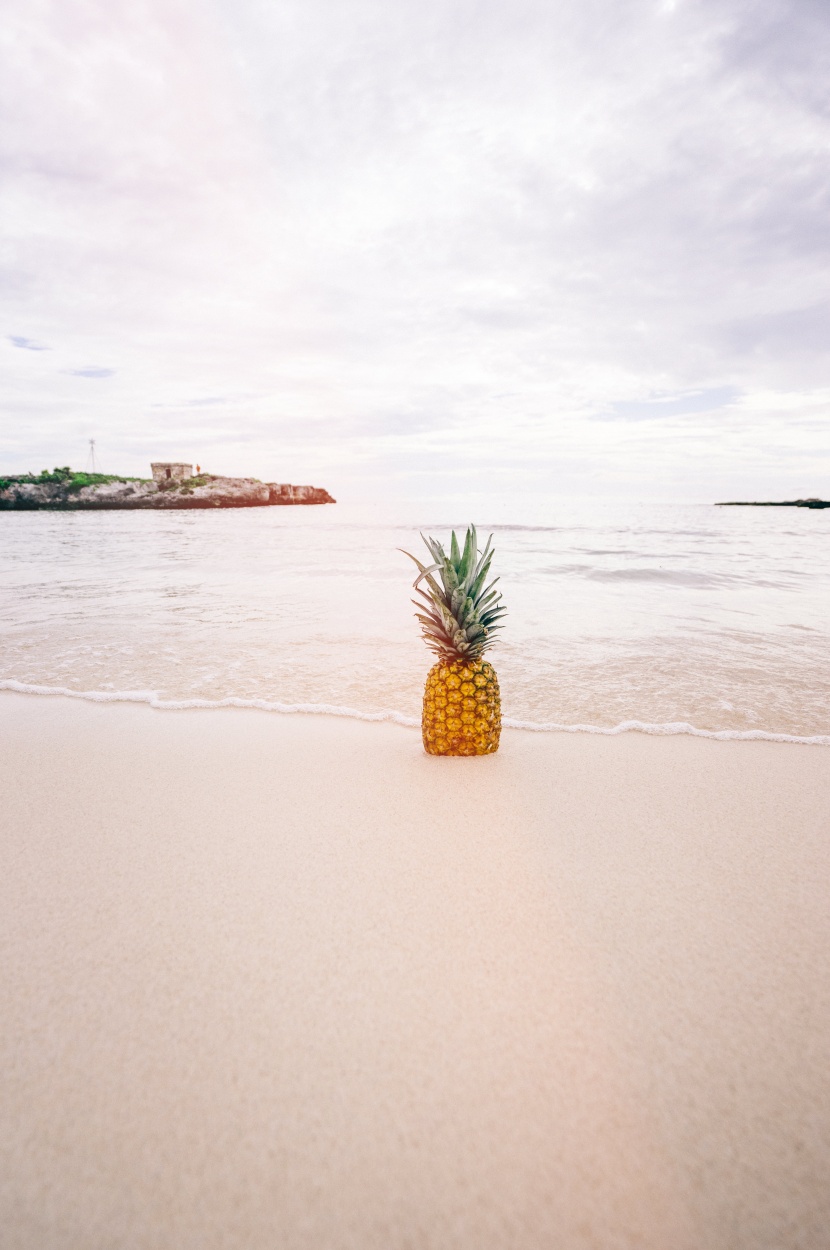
{"x":673,"y":618}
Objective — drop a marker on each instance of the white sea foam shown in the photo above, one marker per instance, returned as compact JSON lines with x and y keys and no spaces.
{"x":151,"y":699}
{"x":671,"y":727}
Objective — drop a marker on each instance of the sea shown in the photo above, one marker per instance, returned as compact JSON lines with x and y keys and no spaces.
{"x":621,"y":616}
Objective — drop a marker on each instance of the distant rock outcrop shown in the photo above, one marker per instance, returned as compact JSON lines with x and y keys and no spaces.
{"x":297,"y":494}
{"x":783,"y":503}
{"x":73,"y":492}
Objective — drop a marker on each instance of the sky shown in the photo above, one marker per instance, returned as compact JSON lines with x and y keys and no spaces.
{"x":402,"y":247}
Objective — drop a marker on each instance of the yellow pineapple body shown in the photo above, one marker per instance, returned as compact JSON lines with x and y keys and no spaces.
{"x":462,"y":709}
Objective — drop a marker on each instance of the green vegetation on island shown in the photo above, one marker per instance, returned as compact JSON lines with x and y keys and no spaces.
{"x":71,"y":479}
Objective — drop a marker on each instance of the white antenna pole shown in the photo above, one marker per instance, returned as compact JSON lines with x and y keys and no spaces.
{"x":92,"y":467}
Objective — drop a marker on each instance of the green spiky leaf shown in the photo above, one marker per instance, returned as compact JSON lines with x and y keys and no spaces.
{"x":456,"y":606}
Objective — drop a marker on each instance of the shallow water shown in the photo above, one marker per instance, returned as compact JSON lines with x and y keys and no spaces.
{"x":668,"y":615}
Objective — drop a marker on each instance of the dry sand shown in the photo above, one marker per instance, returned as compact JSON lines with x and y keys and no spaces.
{"x":285,"y":983}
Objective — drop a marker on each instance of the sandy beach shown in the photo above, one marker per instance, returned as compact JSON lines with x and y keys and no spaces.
{"x":284,"y":981}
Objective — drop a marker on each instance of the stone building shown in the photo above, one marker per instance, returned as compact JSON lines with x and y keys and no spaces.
{"x":170,"y":470}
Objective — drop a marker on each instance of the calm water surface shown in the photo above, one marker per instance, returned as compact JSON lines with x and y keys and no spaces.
{"x":718,"y":618}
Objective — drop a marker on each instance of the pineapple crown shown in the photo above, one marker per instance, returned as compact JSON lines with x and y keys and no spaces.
{"x":458,"y":616}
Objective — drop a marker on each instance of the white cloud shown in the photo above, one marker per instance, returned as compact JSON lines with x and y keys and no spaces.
{"x":377,"y":241}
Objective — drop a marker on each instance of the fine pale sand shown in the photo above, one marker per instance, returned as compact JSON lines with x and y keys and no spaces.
{"x":273,"y":983}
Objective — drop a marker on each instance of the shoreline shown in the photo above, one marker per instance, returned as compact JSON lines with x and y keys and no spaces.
{"x":289,"y":981}
{"x":150,"y":699}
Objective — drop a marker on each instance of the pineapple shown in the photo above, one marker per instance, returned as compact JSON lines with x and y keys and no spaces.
{"x":462,"y":709}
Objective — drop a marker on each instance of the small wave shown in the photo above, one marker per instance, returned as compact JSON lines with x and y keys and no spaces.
{"x":677,"y":577}
{"x":669,"y":728}
{"x":654,"y":576}
{"x":151,"y":699}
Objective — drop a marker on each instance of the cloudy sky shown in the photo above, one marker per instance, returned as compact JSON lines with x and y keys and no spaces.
{"x":543,"y":245}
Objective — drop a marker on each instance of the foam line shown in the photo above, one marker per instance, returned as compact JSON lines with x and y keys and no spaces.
{"x":669,"y":727}
{"x":151,"y":699}
{"x":173,"y":705}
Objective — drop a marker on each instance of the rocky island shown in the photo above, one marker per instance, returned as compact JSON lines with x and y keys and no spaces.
{"x":171,"y":486}
{"x":782,"y":503}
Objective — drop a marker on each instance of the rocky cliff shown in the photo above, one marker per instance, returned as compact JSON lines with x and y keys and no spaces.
{"x":206,"y":491}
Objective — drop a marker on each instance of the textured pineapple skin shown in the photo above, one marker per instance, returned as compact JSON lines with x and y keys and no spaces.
{"x":462,"y":709}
